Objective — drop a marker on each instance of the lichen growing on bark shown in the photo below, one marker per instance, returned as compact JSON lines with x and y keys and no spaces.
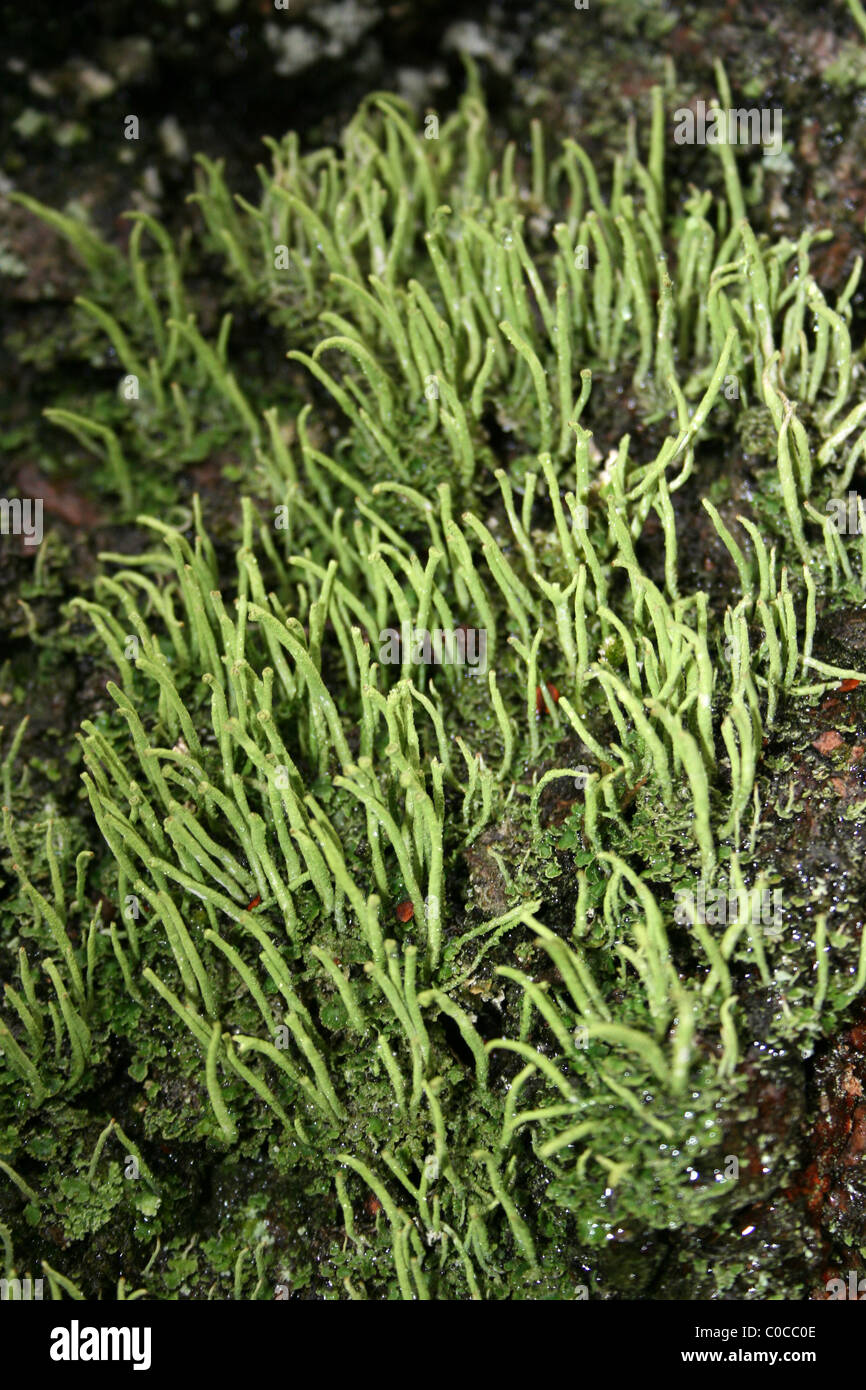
{"x":409,"y":968}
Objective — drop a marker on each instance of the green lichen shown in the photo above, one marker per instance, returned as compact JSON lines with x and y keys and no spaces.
{"x":460,"y":1102}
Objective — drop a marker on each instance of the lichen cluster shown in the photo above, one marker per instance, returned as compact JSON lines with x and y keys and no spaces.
{"x":536,"y":1056}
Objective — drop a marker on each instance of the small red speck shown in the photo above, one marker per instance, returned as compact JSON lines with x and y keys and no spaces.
{"x":405,"y":911}
{"x":552,"y":691}
{"x":827,"y":742}
{"x":847,"y":685}
{"x":254,"y":902}
{"x":373,"y":1205}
